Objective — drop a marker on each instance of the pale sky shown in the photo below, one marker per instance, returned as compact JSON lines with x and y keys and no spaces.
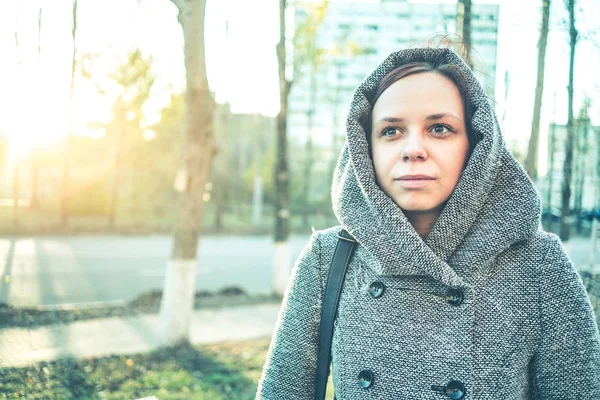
{"x":34,"y":97}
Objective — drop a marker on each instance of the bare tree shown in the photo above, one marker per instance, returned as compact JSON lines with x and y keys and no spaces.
{"x":531,"y":160}
{"x":257,"y":187}
{"x":16,"y":194}
{"x":16,"y":175}
{"x":221,"y":186}
{"x":551,"y":151}
{"x":582,"y":151}
{"x":346,"y":50}
{"x":337,"y":139}
{"x":463,"y":27}
{"x":135,"y":80}
{"x":35,"y":172}
{"x":178,"y":293}
{"x":114,"y":197}
{"x":282,"y":257}
{"x":304,"y":49}
{"x":64,"y":203}
{"x":505,"y":102}
{"x":567,"y":167}
{"x":308,"y":162}
{"x":597,"y":174}
{"x":311,"y":55}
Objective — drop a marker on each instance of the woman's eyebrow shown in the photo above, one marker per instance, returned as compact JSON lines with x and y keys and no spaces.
{"x":390,"y":119}
{"x":432,"y":117}
{"x":435,"y":117}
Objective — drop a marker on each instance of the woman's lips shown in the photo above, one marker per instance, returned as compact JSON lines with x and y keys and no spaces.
{"x":415,"y":182}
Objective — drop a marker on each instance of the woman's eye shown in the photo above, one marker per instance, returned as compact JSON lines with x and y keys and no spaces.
{"x":390,"y":132}
{"x":440,"y":129}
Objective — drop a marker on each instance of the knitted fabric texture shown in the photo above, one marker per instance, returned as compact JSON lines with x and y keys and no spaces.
{"x":524,"y":329}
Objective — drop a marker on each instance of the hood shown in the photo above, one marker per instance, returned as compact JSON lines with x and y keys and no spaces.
{"x":493,"y":206}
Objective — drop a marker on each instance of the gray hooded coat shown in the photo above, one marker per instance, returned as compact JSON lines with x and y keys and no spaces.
{"x":488,"y":301}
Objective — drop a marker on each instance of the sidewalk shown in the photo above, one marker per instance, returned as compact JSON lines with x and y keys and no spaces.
{"x":101,"y":337}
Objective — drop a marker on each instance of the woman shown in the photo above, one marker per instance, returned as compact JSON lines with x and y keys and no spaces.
{"x":454,"y":291}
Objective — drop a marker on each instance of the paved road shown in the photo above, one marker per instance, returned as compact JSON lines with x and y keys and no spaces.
{"x":85,"y":269}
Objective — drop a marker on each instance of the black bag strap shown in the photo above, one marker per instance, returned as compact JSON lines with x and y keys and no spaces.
{"x":331,"y":298}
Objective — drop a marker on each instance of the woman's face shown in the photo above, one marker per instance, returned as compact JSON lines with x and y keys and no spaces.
{"x":419,"y":141}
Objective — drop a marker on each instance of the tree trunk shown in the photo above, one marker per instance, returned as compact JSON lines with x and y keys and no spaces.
{"x":16,"y":195}
{"x":64,"y":204}
{"x":282,"y":257}
{"x":506,"y":87}
{"x":336,"y":138}
{"x":219,"y":206}
{"x":551,"y":151}
{"x":309,"y":147}
{"x":576,"y":170}
{"x":219,"y":189}
{"x":235,"y":198}
{"x":117,"y":165}
{"x":597,"y":180}
{"x":257,"y":199}
{"x":531,"y":160}
{"x":35,"y":194}
{"x":567,"y":167}
{"x":220,"y":183}
{"x":178,"y":293}
{"x":463,"y":27}
{"x":582,"y":154}
{"x":257,"y":191}
{"x":467,"y":30}
{"x":35,"y":170}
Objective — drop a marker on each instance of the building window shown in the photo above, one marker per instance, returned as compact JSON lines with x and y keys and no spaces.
{"x":490,"y":42}
{"x":373,"y":27}
{"x":487,"y":29}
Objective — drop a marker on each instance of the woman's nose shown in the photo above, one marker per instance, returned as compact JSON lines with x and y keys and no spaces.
{"x":414,"y":148}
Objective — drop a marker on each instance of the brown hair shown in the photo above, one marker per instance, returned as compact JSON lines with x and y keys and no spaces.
{"x":439,"y":66}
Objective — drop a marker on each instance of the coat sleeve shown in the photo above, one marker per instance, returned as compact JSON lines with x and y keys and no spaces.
{"x":290,"y":369}
{"x":566,"y":364}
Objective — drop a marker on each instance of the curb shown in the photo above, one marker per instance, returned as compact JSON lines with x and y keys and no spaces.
{"x":90,"y":305}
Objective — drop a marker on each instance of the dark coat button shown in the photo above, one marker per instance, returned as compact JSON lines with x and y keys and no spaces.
{"x":454,"y":297}
{"x":376,"y":289}
{"x":455,"y":390}
{"x":365,"y":379}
